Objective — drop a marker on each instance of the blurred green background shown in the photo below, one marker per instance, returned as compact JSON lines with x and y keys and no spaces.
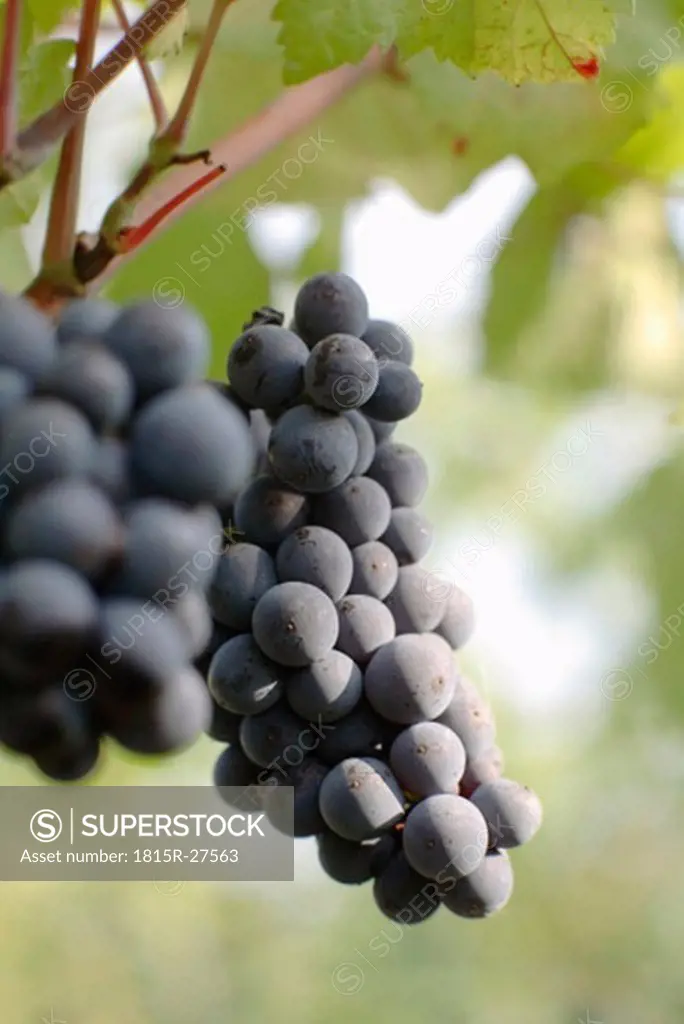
{"x":531,"y":241}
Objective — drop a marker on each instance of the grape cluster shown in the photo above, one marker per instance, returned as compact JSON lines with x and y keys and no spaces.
{"x":332,"y":667}
{"x":115,"y":455}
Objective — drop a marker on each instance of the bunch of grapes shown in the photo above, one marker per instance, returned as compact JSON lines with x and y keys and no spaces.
{"x":332,"y":666}
{"x":115,"y":456}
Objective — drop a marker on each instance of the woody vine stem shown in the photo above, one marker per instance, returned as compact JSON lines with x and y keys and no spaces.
{"x":170,"y":180}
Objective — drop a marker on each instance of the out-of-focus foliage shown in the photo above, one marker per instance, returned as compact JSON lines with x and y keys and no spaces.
{"x":579,"y":329}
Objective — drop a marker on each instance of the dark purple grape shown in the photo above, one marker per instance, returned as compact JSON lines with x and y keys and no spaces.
{"x":266,"y":366}
{"x":411,"y":678}
{"x":330,"y":303}
{"x":358,"y":510}
{"x":513,"y":812}
{"x":375,"y":570}
{"x":315,"y":555}
{"x":295,"y":624}
{"x":244,"y":573}
{"x":402,"y":472}
{"x":403,"y":895}
{"x":267,"y":511}
{"x":388,"y":341}
{"x":485,"y":890}
{"x":327,"y":689}
{"x":341,"y":373}
{"x":409,"y":535}
{"x":427,"y":758}
{"x":445,"y":835}
{"x":312,"y":450}
{"x":397,"y":395}
{"x":241,"y":679}
{"x":365,"y":625}
{"x":360,"y":799}
{"x":355,"y":863}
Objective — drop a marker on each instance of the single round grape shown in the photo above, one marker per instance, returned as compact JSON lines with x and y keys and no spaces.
{"x":401,"y":471}
{"x":245,"y":572}
{"x":191,"y":445}
{"x":388,"y":341}
{"x":376,"y":570}
{"x":306,"y":779}
{"x":403,"y":895}
{"x":409,"y":535}
{"x":381,"y":431}
{"x":341,"y":373}
{"x":457,"y":624}
{"x":427,"y":758}
{"x":295,"y":624}
{"x":234,"y":770}
{"x":365,"y":625}
{"x":193,"y":618}
{"x":365,"y":439}
{"x":48,"y":613}
{"x":360,"y":798}
{"x":36,"y":721}
{"x":330,"y":303}
{"x":486,"y":766}
{"x":315,"y":555}
{"x":445,"y":836}
{"x":267,"y":511}
{"x":89,"y":377}
{"x":139,"y":651}
{"x":169,"y":549}
{"x":513,"y":812}
{"x":398,"y":394}
{"x":354,"y":863}
{"x":416,"y":603}
{"x":109,"y":469}
{"x":361,"y":733}
{"x":327,"y":689}
{"x":411,"y":678}
{"x":241,"y":679}
{"x":171,"y":720}
{"x":266,"y":366}
{"x":42,"y":440}
{"x":69,"y":764}
{"x":312,"y":450}
{"x":485,"y":890}
{"x":275,"y":735}
{"x":470,"y":717}
{"x":85,"y":318}
{"x":358,"y":510}
{"x":68,"y":521}
{"x":27,"y":338}
{"x":162,"y":348}
{"x":224,"y":726}
{"x":15,"y":388}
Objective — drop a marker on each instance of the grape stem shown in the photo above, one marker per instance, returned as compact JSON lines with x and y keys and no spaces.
{"x":9,"y":82}
{"x":61,"y":229}
{"x":175,"y":134}
{"x":153,"y":91}
{"x":35,"y":142}
{"x":293,"y":110}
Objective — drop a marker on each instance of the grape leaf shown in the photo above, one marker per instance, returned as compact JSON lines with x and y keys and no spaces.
{"x":43,"y":76}
{"x":322,"y":35}
{"x":526,"y":40}
{"x":19,"y":201}
{"x":48,"y":14}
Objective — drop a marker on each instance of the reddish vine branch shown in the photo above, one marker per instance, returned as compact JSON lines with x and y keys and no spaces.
{"x":37,"y":140}
{"x":292,"y":111}
{"x":61,"y":229}
{"x":9,"y":84}
{"x":153,"y":91}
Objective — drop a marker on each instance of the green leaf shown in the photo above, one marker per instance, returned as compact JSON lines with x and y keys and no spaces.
{"x":48,"y":14}
{"x":527,"y":40}
{"x":322,"y":35}
{"x":44,"y":75}
{"x":18,"y":202}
